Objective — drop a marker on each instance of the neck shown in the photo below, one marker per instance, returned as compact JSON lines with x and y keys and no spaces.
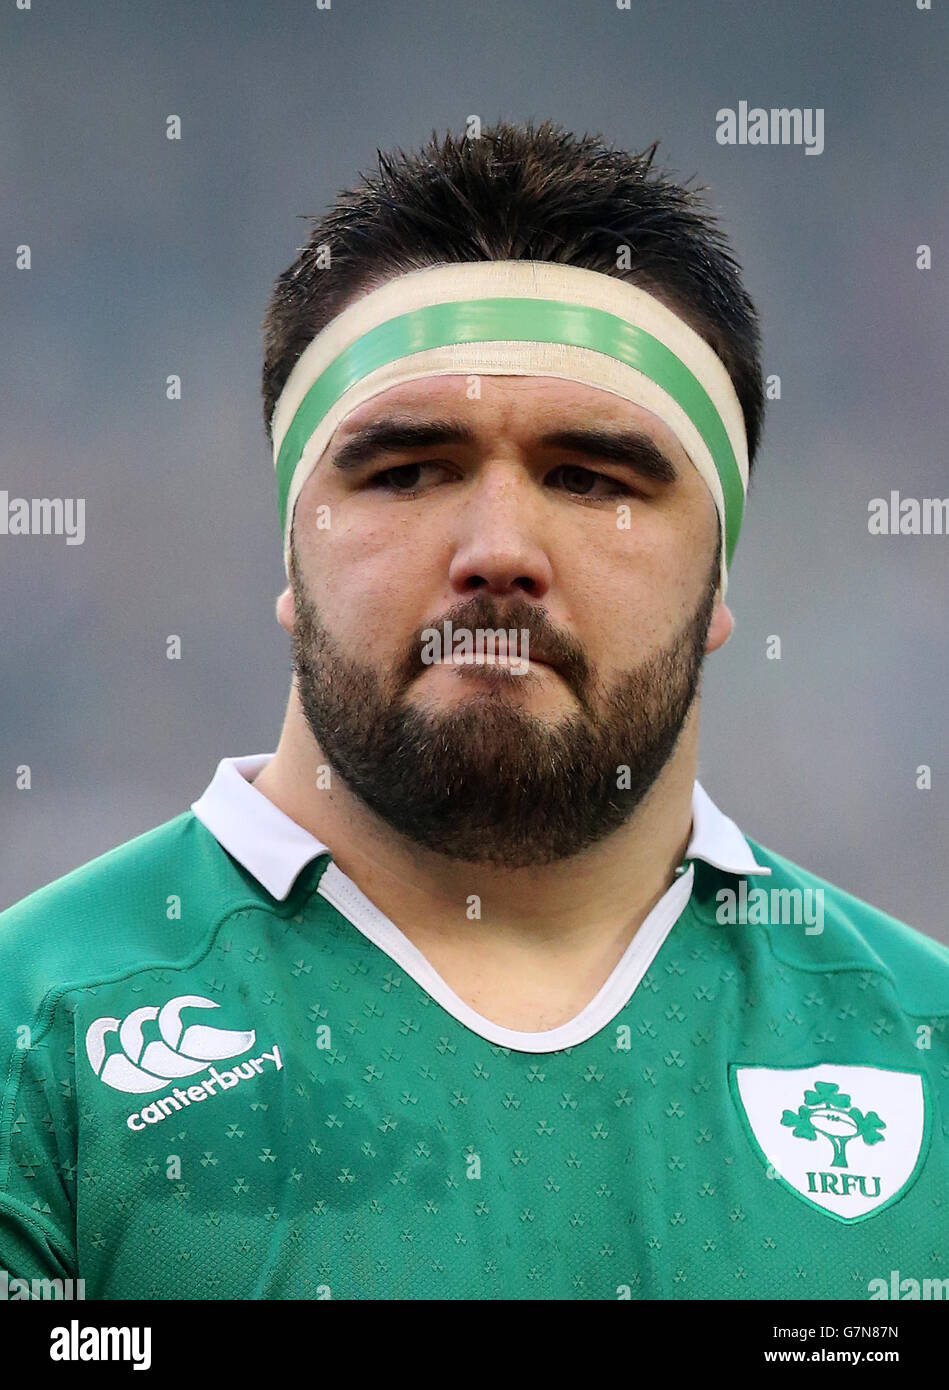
{"x":569,"y":908}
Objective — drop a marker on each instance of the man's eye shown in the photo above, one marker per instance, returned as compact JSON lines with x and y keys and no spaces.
{"x":408,"y":478}
{"x":405,"y":477}
{"x":583,"y":481}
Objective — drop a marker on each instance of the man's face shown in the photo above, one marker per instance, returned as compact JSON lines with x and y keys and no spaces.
{"x":520,"y":522}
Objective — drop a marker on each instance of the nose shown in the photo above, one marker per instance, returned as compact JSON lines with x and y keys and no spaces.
{"x":499,"y":548}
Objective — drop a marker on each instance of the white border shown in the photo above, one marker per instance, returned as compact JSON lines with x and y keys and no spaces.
{"x":352,"y":903}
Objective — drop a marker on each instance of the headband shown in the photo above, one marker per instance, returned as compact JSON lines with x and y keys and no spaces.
{"x":516,"y":318}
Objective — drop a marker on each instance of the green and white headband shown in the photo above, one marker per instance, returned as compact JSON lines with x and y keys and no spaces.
{"x":516,"y":318}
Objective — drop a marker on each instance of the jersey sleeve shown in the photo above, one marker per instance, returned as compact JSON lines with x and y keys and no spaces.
{"x":38,"y":1153}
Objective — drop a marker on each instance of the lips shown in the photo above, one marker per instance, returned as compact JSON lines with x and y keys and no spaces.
{"x":541,"y":659}
{"x":497,"y":660}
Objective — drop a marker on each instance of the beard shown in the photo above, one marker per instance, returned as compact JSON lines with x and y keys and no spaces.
{"x":487,"y":782}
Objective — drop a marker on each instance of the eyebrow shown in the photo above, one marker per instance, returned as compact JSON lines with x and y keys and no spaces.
{"x":633,"y":448}
{"x":393,"y":436}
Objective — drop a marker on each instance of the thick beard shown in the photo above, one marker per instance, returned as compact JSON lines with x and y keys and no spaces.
{"x":488,"y":782}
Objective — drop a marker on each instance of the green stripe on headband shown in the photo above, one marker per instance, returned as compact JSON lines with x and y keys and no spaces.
{"x":518,"y":320}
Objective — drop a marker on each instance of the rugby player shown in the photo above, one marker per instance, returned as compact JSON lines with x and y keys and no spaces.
{"x":469,"y":990}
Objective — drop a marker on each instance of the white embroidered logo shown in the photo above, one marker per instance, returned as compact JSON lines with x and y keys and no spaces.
{"x":179,"y":1051}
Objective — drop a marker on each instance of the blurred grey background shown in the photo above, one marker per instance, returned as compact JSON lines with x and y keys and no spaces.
{"x":153,"y":257}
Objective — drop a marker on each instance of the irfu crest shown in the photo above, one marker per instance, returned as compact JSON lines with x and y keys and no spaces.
{"x":847,"y":1138}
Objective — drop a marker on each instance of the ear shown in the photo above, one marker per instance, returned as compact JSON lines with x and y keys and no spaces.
{"x":286,"y":612}
{"x":721,"y":626}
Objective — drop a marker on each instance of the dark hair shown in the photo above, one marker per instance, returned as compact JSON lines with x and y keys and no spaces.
{"x":520,"y":193}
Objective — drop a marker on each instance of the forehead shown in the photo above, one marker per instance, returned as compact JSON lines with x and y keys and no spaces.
{"x":521,"y":406}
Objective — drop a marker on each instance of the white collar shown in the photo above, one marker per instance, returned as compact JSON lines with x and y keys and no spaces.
{"x":275,"y":848}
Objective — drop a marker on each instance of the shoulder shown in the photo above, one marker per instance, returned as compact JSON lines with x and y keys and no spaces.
{"x":148,"y":903}
{"x":842,"y":932}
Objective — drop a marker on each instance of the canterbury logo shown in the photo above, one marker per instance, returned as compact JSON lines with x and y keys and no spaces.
{"x":178,"y":1051}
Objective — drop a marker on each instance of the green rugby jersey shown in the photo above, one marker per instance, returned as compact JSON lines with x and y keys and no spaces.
{"x":226,"y":1075}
